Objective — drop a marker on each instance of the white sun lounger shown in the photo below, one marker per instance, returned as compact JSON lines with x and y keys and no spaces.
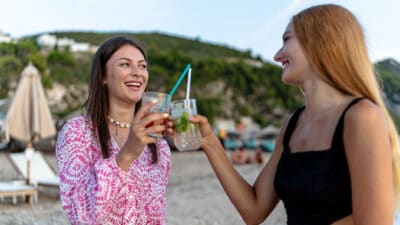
{"x":14,"y":190}
{"x":40,"y":171}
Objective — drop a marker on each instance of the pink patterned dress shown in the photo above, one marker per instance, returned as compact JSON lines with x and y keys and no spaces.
{"x":95,"y":190}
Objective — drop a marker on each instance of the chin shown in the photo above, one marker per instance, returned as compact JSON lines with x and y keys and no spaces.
{"x":136,"y":100}
{"x":136,"y":96}
{"x":287,"y":79}
{"x":290,"y":78}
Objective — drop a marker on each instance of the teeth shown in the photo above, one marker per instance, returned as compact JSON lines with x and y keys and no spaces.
{"x":136,"y":84}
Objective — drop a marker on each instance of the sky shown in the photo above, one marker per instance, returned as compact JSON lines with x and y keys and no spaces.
{"x":255,"y":24}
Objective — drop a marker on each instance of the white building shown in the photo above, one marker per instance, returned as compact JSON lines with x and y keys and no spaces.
{"x":63,"y":43}
{"x":5,"y":38}
{"x":47,"y":40}
{"x":51,"y":41}
{"x":80,"y":47}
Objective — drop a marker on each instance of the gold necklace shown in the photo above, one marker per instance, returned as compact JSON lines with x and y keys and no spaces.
{"x":118,"y":124}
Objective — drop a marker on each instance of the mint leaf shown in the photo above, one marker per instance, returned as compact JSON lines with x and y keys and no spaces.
{"x":181,"y":124}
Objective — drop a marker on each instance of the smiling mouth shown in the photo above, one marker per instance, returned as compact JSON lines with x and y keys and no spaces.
{"x":136,"y":84}
{"x":284,"y":64}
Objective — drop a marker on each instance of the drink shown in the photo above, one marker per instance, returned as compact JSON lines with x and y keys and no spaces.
{"x":186,"y":134}
{"x":162,"y":105}
{"x":157,"y":122}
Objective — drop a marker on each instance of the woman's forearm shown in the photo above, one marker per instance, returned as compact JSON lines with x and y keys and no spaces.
{"x":238,"y":190}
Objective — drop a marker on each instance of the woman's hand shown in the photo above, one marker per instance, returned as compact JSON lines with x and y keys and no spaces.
{"x":138,"y":137}
{"x":209,"y":139}
{"x":170,"y":127}
{"x":204,"y":125}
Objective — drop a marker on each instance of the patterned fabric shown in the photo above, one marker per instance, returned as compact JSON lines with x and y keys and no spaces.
{"x":94,"y":190}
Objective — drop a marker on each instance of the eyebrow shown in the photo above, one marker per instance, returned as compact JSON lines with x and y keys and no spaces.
{"x":124,"y":58}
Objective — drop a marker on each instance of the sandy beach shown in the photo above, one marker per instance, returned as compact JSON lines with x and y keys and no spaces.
{"x":194,"y":196}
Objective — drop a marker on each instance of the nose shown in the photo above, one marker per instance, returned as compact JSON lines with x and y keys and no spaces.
{"x":278,"y":55}
{"x":135,"y":70}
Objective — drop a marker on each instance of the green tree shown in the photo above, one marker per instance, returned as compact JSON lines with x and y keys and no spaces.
{"x":39,"y":61}
{"x":7,"y":49}
{"x":62,"y":65}
{"x":10,"y":66}
{"x":24,"y":48}
{"x":61,"y":58}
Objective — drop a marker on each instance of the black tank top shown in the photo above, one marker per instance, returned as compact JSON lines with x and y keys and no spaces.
{"x":314,"y":185}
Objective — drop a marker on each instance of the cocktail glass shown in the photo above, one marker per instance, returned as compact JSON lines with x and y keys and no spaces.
{"x":162,"y":105}
{"x":187,"y":135}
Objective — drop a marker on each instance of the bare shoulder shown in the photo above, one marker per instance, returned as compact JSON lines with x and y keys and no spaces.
{"x":364,"y":113}
{"x":365,"y":129}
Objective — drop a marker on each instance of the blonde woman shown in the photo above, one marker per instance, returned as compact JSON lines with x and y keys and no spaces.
{"x":336,"y":158}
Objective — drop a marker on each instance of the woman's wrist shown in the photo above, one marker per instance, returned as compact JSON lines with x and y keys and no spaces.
{"x":211,"y":143}
{"x":126,"y":156}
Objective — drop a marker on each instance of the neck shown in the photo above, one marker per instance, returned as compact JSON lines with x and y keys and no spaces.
{"x":321,"y":98}
{"x":121,"y":112}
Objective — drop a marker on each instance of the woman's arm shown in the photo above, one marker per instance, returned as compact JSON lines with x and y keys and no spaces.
{"x":254,"y":203}
{"x":368,"y":152}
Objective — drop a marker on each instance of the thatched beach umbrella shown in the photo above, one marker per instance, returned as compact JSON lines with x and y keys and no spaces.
{"x":28,"y":117}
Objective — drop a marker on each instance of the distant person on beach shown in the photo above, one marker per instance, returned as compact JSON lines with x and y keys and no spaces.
{"x":240,"y":156}
{"x":111,"y":171}
{"x":336,"y":160}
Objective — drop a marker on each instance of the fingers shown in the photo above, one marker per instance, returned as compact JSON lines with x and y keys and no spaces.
{"x":151,"y":118}
{"x":144,"y":110}
{"x":151,"y":123}
{"x":155,"y":129}
{"x":201,"y":120}
{"x":170,"y":128}
{"x":203,"y":123}
{"x":144,"y":124}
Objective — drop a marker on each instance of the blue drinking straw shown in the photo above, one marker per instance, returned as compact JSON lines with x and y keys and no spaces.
{"x":176,"y":86}
{"x":179,"y":80}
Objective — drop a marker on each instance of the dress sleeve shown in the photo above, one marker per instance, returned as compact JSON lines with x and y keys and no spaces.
{"x":89,"y":186}
{"x":165,"y":157}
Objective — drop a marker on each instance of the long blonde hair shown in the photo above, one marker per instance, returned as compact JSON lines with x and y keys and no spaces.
{"x":334,"y":44}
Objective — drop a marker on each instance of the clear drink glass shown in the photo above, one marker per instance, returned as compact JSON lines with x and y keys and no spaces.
{"x":187,"y":135}
{"x":162,"y":105}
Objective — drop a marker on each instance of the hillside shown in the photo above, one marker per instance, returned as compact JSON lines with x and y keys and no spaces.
{"x":227,"y":82}
{"x":389,"y":73}
{"x":389,"y":65}
{"x":158,"y":41}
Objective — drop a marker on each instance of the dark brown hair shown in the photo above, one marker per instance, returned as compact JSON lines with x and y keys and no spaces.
{"x":97,"y":105}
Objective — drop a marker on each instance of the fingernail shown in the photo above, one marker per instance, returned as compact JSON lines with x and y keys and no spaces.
{"x":166,"y":115}
{"x":154,"y":101}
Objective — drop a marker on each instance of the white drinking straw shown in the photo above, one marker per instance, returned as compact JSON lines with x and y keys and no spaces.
{"x":188,"y":84}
